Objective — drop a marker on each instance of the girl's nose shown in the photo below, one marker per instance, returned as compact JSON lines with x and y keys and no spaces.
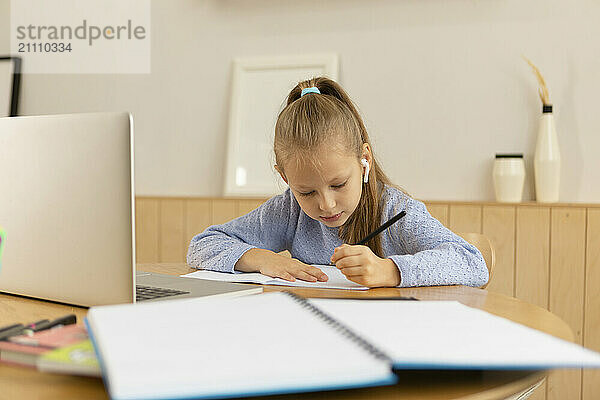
{"x":327,"y":203}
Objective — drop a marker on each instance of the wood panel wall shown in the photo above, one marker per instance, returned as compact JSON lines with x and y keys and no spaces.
{"x":548,"y":255}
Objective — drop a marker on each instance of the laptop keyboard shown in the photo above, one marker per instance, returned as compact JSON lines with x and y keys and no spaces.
{"x":148,"y":292}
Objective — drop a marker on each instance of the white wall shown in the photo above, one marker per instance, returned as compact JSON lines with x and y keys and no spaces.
{"x":440,"y":83}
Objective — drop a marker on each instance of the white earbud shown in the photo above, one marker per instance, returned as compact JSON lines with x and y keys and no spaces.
{"x":365,"y":164}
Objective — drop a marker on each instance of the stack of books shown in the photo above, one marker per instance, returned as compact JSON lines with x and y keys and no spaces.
{"x":62,"y":349}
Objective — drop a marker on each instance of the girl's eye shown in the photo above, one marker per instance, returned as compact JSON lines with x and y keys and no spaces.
{"x":313,"y":192}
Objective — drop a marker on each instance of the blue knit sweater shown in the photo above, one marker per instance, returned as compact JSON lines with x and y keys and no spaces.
{"x":426,"y":252}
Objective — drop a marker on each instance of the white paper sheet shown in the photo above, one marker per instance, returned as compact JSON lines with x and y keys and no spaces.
{"x":263,"y":344}
{"x":337,"y":280}
{"x":447,"y":334}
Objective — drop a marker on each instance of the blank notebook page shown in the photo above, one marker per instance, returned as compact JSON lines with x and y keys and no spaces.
{"x":225,"y":347}
{"x":336,"y":280}
{"x":448,"y":334}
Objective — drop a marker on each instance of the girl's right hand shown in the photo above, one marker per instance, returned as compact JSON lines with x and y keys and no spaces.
{"x":277,"y":266}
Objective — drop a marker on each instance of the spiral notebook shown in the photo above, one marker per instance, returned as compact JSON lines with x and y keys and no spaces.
{"x":281,"y":343}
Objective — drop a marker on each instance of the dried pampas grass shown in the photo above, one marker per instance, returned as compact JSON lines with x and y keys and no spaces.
{"x":543,"y":90}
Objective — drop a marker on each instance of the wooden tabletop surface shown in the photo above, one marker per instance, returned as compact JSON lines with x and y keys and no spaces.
{"x":24,"y":383}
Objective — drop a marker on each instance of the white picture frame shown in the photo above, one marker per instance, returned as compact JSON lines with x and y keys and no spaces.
{"x":10,"y":79}
{"x":260,"y":86}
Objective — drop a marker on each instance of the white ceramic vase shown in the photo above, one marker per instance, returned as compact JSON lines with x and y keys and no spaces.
{"x":546,"y":162}
{"x":509,"y":177}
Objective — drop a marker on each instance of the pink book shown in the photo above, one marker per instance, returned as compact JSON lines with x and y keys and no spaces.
{"x":15,"y":353}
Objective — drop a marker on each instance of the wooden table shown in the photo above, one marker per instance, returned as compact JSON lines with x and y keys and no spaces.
{"x":25,"y":383}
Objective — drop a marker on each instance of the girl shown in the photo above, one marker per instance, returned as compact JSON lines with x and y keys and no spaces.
{"x":337,"y":195}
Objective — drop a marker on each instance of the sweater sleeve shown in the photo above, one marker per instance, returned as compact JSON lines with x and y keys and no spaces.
{"x":430,"y":254}
{"x":219,"y":247}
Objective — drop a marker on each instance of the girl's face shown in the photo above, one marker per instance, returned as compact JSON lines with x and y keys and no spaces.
{"x":327,"y":191}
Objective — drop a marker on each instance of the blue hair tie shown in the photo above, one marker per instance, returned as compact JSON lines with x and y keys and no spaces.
{"x":310,"y":90}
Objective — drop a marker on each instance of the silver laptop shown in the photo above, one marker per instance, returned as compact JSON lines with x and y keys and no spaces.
{"x":67,"y":209}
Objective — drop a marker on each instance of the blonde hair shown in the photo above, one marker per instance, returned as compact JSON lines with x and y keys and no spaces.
{"x":308,"y":121}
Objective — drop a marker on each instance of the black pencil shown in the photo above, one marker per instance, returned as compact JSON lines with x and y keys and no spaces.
{"x":382,"y":227}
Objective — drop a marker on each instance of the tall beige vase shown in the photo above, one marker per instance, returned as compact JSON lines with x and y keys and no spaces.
{"x":546,"y":162}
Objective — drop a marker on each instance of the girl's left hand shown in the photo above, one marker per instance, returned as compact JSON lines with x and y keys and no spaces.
{"x":359,"y":264}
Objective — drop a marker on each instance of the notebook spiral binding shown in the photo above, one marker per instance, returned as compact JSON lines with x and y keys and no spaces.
{"x":341,"y":328}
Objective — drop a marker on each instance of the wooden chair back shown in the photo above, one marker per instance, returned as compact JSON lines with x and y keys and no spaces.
{"x":484,"y":245}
